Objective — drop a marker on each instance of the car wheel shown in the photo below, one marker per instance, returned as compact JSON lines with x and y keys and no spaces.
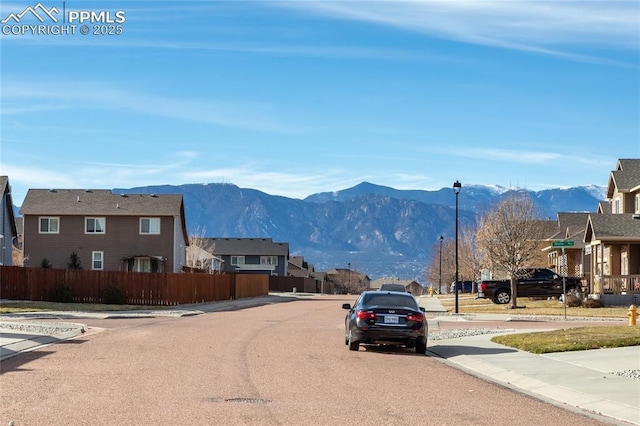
{"x":346,"y":338}
{"x":421,"y":348}
{"x":353,"y":345}
{"x":502,"y":297}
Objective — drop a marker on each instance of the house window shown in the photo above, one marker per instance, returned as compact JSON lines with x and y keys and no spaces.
{"x":49,"y":225}
{"x":268,"y":260}
{"x":94,"y":225}
{"x":141,"y":264}
{"x":616,"y":206}
{"x":237,"y":260}
{"x":97,"y":260}
{"x":637,"y":204}
{"x":150,"y":225}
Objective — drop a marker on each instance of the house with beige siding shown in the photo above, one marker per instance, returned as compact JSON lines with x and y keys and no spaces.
{"x":107,"y":231}
{"x":570,"y":260}
{"x":613,"y":239}
{"x":8,"y":229}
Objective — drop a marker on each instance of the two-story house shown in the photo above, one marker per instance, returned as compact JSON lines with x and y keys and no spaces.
{"x":103,"y":230}
{"x":569,"y":260}
{"x":8,"y":230}
{"x":613,"y":239}
{"x":251,"y":255}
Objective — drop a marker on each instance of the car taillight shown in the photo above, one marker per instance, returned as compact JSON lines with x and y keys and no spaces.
{"x":415,"y":317}
{"x":483,"y":287}
{"x":365,"y":315}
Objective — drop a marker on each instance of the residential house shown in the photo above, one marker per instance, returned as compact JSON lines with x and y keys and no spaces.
{"x":107,"y":231}
{"x":411,"y":286}
{"x":613,"y":239}
{"x":8,"y":229}
{"x":569,"y":260}
{"x":298,"y":267}
{"x":251,"y":255}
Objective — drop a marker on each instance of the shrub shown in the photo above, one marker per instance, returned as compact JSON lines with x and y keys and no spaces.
{"x":573,"y":301}
{"x":593,"y":303}
{"x":74,"y":261}
{"x":113,"y":295}
{"x":62,"y":293}
{"x":45,"y":263}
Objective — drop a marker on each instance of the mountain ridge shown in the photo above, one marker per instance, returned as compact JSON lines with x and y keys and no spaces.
{"x":380,"y":230}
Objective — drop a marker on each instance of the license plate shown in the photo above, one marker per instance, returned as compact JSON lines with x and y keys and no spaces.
{"x":391,"y":319}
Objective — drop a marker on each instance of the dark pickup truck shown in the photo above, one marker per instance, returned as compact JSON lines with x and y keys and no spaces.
{"x":532,"y":282}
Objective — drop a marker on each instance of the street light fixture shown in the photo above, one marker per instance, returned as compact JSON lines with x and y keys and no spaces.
{"x":456,"y":190}
{"x":440,"y":272}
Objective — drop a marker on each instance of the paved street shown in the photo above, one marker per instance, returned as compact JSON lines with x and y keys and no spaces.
{"x":283,"y":363}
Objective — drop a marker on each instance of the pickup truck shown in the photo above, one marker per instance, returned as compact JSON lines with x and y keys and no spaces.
{"x":532,"y":282}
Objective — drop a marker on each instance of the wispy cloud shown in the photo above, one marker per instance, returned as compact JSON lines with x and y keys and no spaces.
{"x":94,"y":94}
{"x":545,"y":27}
{"x":513,"y":156}
{"x":290,"y":183}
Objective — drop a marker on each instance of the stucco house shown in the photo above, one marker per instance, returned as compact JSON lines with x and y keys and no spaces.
{"x":8,"y":229}
{"x":106,"y":231}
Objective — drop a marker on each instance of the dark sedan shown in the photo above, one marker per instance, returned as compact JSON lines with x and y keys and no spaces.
{"x":386,"y":318}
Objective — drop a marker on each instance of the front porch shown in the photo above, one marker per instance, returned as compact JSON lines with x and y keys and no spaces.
{"x":616,"y":284}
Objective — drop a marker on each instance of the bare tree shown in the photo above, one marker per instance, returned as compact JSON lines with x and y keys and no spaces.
{"x":508,"y":237}
{"x":470,"y":258}
{"x":200,"y":251}
{"x":433,"y":274}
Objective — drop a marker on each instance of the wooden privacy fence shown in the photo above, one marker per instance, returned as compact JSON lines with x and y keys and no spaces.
{"x":307,"y":285}
{"x":139,"y":288}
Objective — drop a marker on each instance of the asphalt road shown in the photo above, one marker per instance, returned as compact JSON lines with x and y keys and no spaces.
{"x":280,"y":364}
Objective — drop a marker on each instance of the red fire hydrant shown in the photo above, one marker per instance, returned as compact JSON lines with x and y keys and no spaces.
{"x":632,"y":314}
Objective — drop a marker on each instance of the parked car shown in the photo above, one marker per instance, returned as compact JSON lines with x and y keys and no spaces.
{"x":390,"y":318}
{"x":393,"y":287}
{"x":532,"y":282}
{"x":463,"y":287}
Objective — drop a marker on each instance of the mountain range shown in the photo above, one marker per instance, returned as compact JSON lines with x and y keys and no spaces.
{"x":378,"y":230}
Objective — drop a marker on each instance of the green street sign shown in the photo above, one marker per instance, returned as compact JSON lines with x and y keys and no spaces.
{"x":561,"y":243}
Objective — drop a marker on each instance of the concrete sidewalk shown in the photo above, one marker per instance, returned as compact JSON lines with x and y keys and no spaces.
{"x":603,"y":382}
{"x":595,"y":382}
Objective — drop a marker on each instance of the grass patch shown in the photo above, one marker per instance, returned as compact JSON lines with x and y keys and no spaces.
{"x":572,"y":339}
{"x":13,"y":307}
{"x":468,"y":304}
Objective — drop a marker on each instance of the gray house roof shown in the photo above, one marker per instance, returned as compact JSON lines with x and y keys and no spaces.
{"x":100,"y":202}
{"x":604,"y":207}
{"x":103,"y":202}
{"x":613,"y":227}
{"x":248,"y":247}
{"x":626,"y":177}
{"x":573,"y":226}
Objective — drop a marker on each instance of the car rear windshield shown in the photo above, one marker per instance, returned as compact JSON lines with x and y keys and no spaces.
{"x":390,"y":300}
{"x":392,"y":287}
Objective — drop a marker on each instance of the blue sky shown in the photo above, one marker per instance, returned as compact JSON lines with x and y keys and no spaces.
{"x":294,"y":98}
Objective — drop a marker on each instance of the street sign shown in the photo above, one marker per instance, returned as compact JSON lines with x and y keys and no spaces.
{"x":561,"y":243}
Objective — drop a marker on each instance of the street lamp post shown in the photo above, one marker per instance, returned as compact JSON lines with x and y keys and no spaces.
{"x":456,"y":190}
{"x":349,"y":285}
{"x":440,"y":272}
